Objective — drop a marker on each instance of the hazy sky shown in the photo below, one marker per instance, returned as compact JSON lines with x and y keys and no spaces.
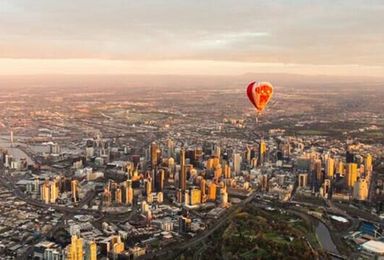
{"x":192,"y":37}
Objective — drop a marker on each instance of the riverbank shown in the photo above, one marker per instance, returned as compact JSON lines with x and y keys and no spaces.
{"x":257,"y":233}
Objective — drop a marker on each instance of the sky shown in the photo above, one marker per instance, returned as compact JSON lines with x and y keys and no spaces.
{"x":331,"y":37}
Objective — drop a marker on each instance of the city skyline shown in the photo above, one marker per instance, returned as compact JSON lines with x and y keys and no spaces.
{"x":191,"y":129}
{"x":132,"y":172}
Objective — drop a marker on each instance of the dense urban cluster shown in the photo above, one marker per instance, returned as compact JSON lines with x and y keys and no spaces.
{"x":155,"y":178}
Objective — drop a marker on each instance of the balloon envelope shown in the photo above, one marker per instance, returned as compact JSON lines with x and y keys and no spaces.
{"x":260,"y":94}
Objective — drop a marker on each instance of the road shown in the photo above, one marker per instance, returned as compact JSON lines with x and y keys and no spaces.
{"x":8,"y":183}
{"x":170,"y":252}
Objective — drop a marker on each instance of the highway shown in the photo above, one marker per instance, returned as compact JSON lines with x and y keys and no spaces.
{"x":172,"y":251}
{"x":167,"y":252}
{"x":8,"y":183}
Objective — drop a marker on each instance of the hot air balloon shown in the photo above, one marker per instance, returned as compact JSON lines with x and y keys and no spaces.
{"x":260,"y":94}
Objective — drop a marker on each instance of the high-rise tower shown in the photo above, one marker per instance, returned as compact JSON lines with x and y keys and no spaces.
{"x":183,"y":175}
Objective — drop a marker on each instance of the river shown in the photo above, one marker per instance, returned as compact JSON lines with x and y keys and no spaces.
{"x":14,"y":151}
{"x":325,"y":238}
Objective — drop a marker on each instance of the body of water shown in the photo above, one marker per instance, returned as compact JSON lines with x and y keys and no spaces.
{"x":325,"y":238}
{"x":15,"y":152}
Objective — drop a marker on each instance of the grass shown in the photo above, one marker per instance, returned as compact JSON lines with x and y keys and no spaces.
{"x":257,"y":228}
{"x":255,"y":233}
{"x":276,"y":238}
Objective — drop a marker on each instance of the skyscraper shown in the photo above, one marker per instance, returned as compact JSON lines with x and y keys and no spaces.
{"x":318,"y":172}
{"x":368,"y":163}
{"x":340,"y":167}
{"x":11,"y":138}
{"x":159,"y":180}
{"x":183,"y":175}
{"x":217,"y":151}
{"x":351,"y":175}
{"x":349,"y":157}
{"x":326,"y":187}
{"x":224,"y":198}
{"x":75,"y":251}
{"x":154,"y":153}
{"x":45,"y":192}
{"x":262,"y":152}
{"x":118,"y":246}
{"x":148,"y":186}
{"x":118,"y":196}
{"x":360,"y":189}
{"x":198,"y":156}
{"x":74,"y":190}
{"x":49,"y":191}
{"x":330,"y":167}
{"x":128,"y":192}
{"x":212,"y":191}
{"x":203,"y":183}
{"x":170,"y":148}
{"x":218,"y":172}
{"x":227,"y":171}
{"x":91,"y":251}
{"x":236,"y":163}
{"x":37,"y":185}
{"x":248,"y":154}
{"x":195,"y":196}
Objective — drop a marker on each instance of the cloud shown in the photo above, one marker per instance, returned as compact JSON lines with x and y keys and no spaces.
{"x":175,"y":67}
{"x":319,"y":32}
{"x":226,"y":40}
